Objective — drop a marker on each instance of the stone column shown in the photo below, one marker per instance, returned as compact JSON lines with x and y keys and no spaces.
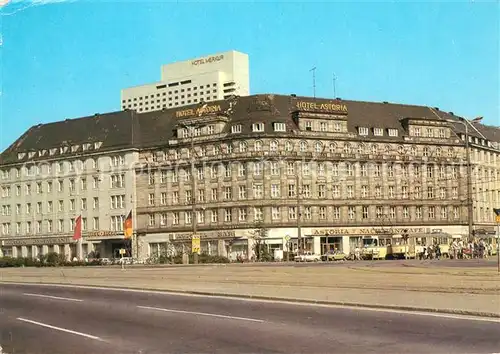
{"x":79,"y":249}
{"x":14,"y":252}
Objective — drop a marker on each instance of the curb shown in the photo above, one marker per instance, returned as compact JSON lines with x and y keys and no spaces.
{"x":280,"y":299}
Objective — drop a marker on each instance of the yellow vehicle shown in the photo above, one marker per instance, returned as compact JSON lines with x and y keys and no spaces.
{"x":374,"y":248}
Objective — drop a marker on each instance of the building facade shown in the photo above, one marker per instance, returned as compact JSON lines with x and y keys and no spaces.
{"x":244,"y":169}
{"x":210,"y":78}
{"x":56,"y":172}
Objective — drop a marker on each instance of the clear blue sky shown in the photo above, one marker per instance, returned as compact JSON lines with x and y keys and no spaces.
{"x":70,"y":59}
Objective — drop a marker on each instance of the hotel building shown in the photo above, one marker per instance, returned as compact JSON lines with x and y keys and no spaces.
{"x":341,"y":170}
{"x":210,"y":78}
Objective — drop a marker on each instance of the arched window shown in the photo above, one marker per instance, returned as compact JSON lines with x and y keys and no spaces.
{"x":258,"y":145}
{"x":274,"y":145}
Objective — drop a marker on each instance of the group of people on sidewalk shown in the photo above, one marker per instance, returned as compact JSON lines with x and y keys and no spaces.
{"x":475,"y":249}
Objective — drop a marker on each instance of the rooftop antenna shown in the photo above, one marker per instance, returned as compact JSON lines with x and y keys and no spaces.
{"x":334,"y":80}
{"x":314,"y":81}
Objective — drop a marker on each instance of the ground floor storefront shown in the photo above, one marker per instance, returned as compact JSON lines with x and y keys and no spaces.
{"x":242,"y":243}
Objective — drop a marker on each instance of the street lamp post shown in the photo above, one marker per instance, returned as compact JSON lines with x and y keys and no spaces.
{"x":299,"y":214}
{"x":470,"y":211}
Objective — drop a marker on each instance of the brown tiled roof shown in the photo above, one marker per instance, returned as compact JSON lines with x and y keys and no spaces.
{"x":127,"y":129}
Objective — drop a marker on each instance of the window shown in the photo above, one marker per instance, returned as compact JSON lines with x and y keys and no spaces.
{"x":365,"y":212}
{"x":318,"y":147}
{"x":303,"y":146}
{"x":242,"y":214}
{"x":442,"y":193}
{"x":406,"y":212}
{"x":258,"y":214}
{"x":188,"y":197}
{"x":227,"y":215}
{"x":430,"y":192}
{"x":228,"y":195}
{"x":308,"y":125}
{"x":351,"y":213}
{"x":350,"y":192}
{"x":391,"y":192}
{"x":257,"y":168}
{"x":291,"y":190}
{"x":235,"y":129}
{"x":275,"y":190}
{"x":378,"y":131}
{"x":288,"y":146}
{"x":321,"y":191}
{"x":377,"y":170}
{"x":430,"y":171}
{"x":349,"y":169}
{"x":258,"y":145}
{"x":363,"y":131}
{"x":242,"y":192}
{"x":290,"y":168}
{"x":306,"y":191}
{"x":306,"y":169}
{"x":175,"y":218}
{"x":322,"y":212}
{"x":275,"y":170}
{"x":151,"y":178}
{"x":456,"y":212}
{"x":432,"y":212}
{"x":418,"y":212}
{"x":444,"y":213}
{"x":307,"y":213}
{"x":279,"y":127}
{"x":227,"y":170}
{"x":151,"y":199}
{"x":292,"y":213}
{"x":364,"y":191}
{"x":215,"y":193}
{"x":163,"y":198}
{"x":275,"y":213}
{"x":96,"y":203}
{"x":336,"y":212}
{"x":258,"y":127}
{"x":257,"y":191}
{"x":364,"y":170}
{"x":335,"y":191}
{"x":393,"y":132}
{"x":323,"y":127}
{"x":188,"y":217}
{"x":163,"y":219}
{"x":151,"y":220}
{"x":454,"y":192}
{"x":390,"y":170}
{"x":392,"y":212}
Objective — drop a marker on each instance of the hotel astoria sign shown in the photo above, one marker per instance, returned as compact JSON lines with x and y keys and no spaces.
{"x":359,"y":231}
{"x":325,"y":107}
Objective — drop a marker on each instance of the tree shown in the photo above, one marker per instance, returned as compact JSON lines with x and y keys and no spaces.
{"x":259,"y":247}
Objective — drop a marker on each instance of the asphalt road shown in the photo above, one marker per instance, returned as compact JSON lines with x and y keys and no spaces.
{"x":45,"y":319}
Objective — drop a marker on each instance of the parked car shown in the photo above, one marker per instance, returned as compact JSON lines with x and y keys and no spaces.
{"x":308,"y":257}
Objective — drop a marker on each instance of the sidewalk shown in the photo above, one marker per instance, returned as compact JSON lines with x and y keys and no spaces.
{"x":452,"y":290}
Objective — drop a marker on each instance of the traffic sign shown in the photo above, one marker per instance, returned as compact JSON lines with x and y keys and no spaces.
{"x":195,"y":244}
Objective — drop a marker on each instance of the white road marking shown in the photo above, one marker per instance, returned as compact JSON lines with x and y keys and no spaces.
{"x":277,"y":301}
{"x":201,"y":314}
{"x":53,"y":297}
{"x":59,"y":328}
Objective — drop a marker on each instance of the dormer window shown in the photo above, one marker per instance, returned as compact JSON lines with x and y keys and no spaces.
{"x":258,"y":127}
{"x":417,"y":132}
{"x":52,"y":151}
{"x":74,"y":148}
{"x":235,"y":129}
{"x":31,"y":154}
{"x":482,"y":142}
{"x":41,"y":152}
{"x":279,"y":127}
{"x":363,"y":131}
{"x":393,"y":132}
{"x":210,"y":130}
{"x":442,"y":133}
{"x":378,"y":131}
{"x":308,"y":125}
{"x":85,"y":147}
{"x":63,"y":149}
{"x":97,"y":145}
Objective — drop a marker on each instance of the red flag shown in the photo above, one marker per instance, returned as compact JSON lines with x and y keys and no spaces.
{"x":78,"y":228}
{"x":127,"y":226}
